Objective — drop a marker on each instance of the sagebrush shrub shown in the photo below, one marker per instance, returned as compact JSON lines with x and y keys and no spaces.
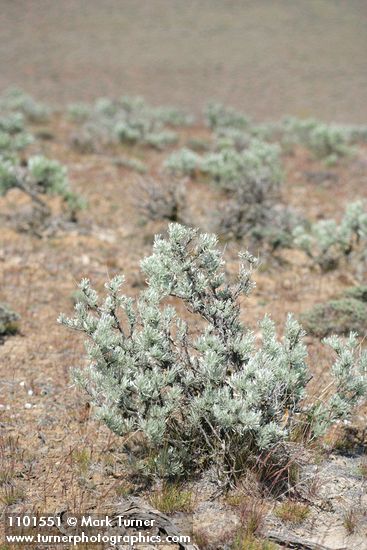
{"x":131,"y":163}
{"x":232,"y":138}
{"x":128,"y":120}
{"x":13,"y":135}
{"x":231,"y":169}
{"x":326,"y":141}
{"x":173,"y":116}
{"x":336,"y":316}
{"x":183,"y":163}
{"x":261,"y":219}
{"x":78,"y":112}
{"x":161,"y":200}
{"x":14,"y":99}
{"x":327,"y":242}
{"x":357,"y":292}
{"x":219,"y":116}
{"x":205,"y":395}
{"x":8,"y":321}
{"x":39,"y":176}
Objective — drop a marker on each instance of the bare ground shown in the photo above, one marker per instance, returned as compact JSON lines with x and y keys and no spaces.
{"x":305,"y":58}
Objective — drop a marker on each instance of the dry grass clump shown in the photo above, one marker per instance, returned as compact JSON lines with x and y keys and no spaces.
{"x":249,"y":542}
{"x":363,"y":467}
{"x":292,"y":512}
{"x":350,"y":520}
{"x":171,"y":498}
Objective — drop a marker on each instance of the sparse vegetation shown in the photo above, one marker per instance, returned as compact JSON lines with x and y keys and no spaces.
{"x":16,"y":100}
{"x":328,"y":242}
{"x":172,"y":498}
{"x":258,"y":216}
{"x":219,"y":116}
{"x":185,"y":405}
{"x":183,"y":163}
{"x":292,"y":512}
{"x":81,"y":458}
{"x":11,"y":494}
{"x":37,"y":177}
{"x":249,"y":542}
{"x":162,"y":200}
{"x":132,"y":164}
{"x":191,"y":389}
{"x":258,"y":165}
{"x":13,"y":135}
{"x":8,"y":321}
{"x":351,"y":520}
{"x":326,"y":141}
{"x":336,"y":317}
{"x":363,"y":468}
{"x":129,"y":120}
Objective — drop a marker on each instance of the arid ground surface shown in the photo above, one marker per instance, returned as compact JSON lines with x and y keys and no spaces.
{"x":268,"y":59}
{"x":305,"y":58}
{"x":57,"y":454}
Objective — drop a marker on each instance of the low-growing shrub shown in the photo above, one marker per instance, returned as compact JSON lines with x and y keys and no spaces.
{"x":132,"y":164}
{"x":174,"y":117}
{"x":327,"y":242}
{"x":129,"y":120}
{"x":14,"y":99}
{"x":183,"y":163}
{"x":339,"y":316}
{"x":231,"y":169}
{"x":329,"y":143}
{"x":13,"y":136}
{"x":357,"y":292}
{"x":199,"y":145}
{"x":78,"y":112}
{"x":90,"y":138}
{"x":207,"y":396}
{"x":326,"y":141}
{"x":8,"y":321}
{"x":219,"y":116}
{"x":265,"y":220}
{"x":163,"y":199}
{"x":160,"y":139}
{"x":232,"y":138}
{"x":39,"y":176}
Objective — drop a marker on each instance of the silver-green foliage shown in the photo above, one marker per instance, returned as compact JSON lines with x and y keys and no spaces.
{"x":40,"y":176}
{"x":232,"y":169}
{"x":15,"y":99}
{"x":204,"y":395}
{"x":183,"y":162}
{"x":326,"y":141}
{"x":129,"y":120}
{"x":231,"y":138}
{"x":327,"y":242}
{"x":350,"y":384}
{"x":218,"y":116}
{"x":8,"y":320}
{"x":13,"y":135}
